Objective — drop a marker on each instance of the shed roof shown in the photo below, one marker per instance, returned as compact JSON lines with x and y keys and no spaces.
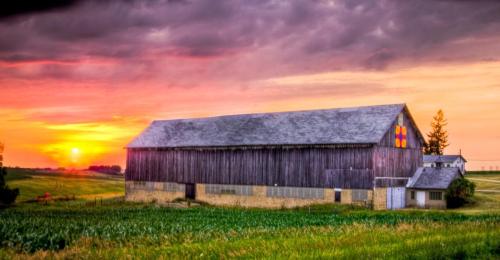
{"x":357,"y":125}
{"x":433,"y":178}
{"x":442,"y":158}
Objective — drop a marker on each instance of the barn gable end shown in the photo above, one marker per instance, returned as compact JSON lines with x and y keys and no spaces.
{"x":414,"y":137}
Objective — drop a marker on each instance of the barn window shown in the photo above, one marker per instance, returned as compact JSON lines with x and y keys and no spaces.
{"x":241,"y":190}
{"x":412,"y":195}
{"x":173,"y":187}
{"x":140,"y":185}
{"x":435,"y":195}
{"x":293,"y":192}
{"x":150,"y":185}
{"x":359,"y":195}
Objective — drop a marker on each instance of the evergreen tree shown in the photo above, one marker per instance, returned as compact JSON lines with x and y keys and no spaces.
{"x":438,"y":136}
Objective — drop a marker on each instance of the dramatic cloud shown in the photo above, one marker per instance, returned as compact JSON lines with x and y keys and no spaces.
{"x":102,"y":66}
{"x":246,"y":40}
{"x":15,"y":8}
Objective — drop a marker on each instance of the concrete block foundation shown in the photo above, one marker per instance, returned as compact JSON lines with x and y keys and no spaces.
{"x":156,"y":192}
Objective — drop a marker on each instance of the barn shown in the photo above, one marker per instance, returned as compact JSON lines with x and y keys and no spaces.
{"x":359,"y":155}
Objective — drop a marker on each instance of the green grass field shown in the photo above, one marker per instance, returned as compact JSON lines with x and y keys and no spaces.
{"x":81,"y":184}
{"x":487,"y":195}
{"x":79,"y":229}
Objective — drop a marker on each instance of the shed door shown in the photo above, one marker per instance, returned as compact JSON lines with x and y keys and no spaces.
{"x":396,"y":197}
{"x":421,"y":199}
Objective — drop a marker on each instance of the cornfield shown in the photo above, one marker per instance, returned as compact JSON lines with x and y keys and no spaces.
{"x":28,"y":229}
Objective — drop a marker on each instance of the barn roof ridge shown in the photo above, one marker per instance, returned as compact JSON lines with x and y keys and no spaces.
{"x":347,"y":125}
{"x":445,"y":158}
{"x":277,"y":112}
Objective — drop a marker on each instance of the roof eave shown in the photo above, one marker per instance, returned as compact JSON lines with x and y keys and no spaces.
{"x":324,"y":145}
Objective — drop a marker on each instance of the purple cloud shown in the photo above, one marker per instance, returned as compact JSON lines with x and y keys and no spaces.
{"x":244,"y":40}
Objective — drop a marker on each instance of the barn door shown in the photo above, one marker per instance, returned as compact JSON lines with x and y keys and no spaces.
{"x":338,"y":195}
{"x":190,"y":191}
{"x":396,"y":197}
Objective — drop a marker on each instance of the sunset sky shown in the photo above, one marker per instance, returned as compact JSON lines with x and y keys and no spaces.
{"x":80,"y":80}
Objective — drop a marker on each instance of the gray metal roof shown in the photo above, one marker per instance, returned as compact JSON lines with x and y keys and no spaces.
{"x":442,"y":158}
{"x":358,"y":125}
{"x":433,"y":178}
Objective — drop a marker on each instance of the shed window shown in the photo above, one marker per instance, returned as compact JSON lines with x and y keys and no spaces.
{"x":435,"y":195}
{"x":359,"y":195}
{"x":220,"y":189}
{"x":293,"y":192}
{"x":412,"y":195}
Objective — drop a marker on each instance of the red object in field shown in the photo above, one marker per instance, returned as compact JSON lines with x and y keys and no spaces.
{"x":45,"y":196}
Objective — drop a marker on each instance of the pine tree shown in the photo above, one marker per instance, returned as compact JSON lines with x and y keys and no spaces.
{"x":438,"y":136}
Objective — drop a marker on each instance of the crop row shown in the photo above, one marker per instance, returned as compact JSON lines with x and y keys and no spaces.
{"x":32,"y":229}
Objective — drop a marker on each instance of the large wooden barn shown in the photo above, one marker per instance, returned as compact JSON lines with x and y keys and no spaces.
{"x":346,"y":155}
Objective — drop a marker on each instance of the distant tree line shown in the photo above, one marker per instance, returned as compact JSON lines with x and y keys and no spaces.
{"x":7,"y":195}
{"x":109,"y":169}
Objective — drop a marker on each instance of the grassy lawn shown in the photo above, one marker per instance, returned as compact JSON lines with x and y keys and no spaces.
{"x":79,"y":229}
{"x":486,"y":202}
{"x":64,"y":183}
{"x":484,"y":172}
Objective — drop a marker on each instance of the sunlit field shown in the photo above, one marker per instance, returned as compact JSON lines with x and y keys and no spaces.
{"x":80,"y":184}
{"x":487,"y":196}
{"x":117,"y":229}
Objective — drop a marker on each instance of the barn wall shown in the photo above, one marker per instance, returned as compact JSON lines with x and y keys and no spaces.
{"x":152,"y":192}
{"x":396,"y":162}
{"x":380,"y":198}
{"x":259,"y":198}
{"x":295,"y":167}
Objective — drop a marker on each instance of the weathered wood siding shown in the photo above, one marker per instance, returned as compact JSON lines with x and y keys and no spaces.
{"x":349,"y":178}
{"x":396,"y":162}
{"x":301,"y":167}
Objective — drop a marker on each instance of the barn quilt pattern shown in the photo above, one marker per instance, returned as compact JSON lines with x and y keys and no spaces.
{"x":400,"y":140}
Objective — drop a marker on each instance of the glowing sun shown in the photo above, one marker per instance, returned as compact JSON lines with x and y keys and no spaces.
{"x":75,"y":154}
{"x":75,"y":151}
